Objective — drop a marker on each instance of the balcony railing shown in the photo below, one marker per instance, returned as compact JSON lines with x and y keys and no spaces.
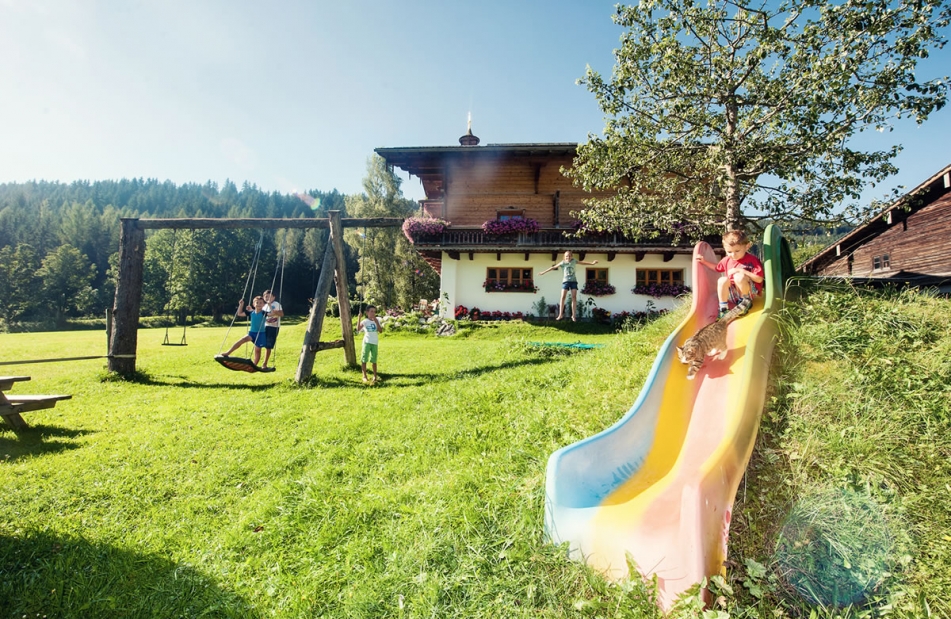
{"x":545,"y":237}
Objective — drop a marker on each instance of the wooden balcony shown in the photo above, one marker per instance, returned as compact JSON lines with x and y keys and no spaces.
{"x":474,"y":239}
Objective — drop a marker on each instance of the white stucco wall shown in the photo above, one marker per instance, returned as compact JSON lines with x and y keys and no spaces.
{"x":462,"y":281}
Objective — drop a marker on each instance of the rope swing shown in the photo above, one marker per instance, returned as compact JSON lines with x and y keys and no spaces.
{"x":167,"y":341}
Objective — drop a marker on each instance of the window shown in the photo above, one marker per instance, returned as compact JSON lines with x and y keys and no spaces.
{"x":509,"y":280}
{"x":886,"y":263}
{"x":509,"y":214}
{"x":880,"y":263}
{"x":646,"y":277}
{"x":598,"y":275}
{"x":596,"y":283}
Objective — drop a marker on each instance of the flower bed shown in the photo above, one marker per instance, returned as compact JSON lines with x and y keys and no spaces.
{"x":502,"y":315}
{"x":510,"y":226}
{"x":596,"y":288}
{"x":661,"y":290}
{"x":491,"y":285}
{"x":461,"y":312}
{"x":417,"y":228}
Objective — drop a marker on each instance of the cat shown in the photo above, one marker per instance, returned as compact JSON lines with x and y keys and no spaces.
{"x":710,"y":340}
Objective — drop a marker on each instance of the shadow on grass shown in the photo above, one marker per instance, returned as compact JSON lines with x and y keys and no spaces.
{"x":427,"y":378}
{"x":43,"y":574}
{"x":36,"y":441}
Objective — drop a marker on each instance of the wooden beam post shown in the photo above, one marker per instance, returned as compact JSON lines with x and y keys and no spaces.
{"x":305,"y":367}
{"x":128,"y":298}
{"x":343,"y":292}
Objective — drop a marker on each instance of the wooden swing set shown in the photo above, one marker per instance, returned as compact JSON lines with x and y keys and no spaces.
{"x":123,"y":333}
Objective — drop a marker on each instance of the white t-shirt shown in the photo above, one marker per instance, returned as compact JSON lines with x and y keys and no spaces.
{"x":273,"y":321}
{"x":371,"y":335}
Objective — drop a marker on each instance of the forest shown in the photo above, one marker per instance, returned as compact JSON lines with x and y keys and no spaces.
{"x":59,"y":248}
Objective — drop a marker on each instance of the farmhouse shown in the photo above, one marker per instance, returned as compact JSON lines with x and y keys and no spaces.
{"x":512,"y":215}
{"x":907,"y":243}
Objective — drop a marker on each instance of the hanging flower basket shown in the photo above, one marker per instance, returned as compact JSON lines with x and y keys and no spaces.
{"x":598,"y":289}
{"x":423,"y":228}
{"x":510,"y":226}
{"x":661,"y":290}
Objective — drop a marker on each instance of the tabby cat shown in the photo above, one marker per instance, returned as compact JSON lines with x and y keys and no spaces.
{"x":710,"y":340}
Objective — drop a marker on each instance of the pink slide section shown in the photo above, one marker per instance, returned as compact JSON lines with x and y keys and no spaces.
{"x":658,"y":486}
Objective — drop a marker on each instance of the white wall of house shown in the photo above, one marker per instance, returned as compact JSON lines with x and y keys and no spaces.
{"x":462,"y":281}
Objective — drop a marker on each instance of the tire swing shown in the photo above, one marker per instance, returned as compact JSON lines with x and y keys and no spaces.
{"x":242,"y":364}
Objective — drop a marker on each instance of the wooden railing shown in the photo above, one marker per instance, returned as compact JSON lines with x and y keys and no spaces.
{"x":545,"y":237}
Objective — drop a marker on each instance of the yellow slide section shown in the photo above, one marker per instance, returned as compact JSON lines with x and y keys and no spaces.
{"x":658,"y":486}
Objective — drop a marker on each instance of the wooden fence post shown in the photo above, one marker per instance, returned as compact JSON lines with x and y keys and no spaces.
{"x":305,"y":367}
{"x":128,"y":298}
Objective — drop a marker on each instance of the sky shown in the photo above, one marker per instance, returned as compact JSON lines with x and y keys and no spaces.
{"x":295,"y":95}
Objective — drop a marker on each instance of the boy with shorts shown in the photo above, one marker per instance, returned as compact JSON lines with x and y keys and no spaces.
{"x":371,"y":338}
{"x":743,"y":273}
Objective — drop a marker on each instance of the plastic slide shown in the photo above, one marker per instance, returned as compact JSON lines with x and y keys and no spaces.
{"x":659,"y":484}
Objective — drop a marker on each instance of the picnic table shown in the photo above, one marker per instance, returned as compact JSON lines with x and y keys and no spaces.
{"x":11,"y":405}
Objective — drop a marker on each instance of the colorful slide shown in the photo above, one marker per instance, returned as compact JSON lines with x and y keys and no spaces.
{"x":658,"y":486}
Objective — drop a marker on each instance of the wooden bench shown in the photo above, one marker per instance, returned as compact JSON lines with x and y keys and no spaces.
{"x":11,"y":405}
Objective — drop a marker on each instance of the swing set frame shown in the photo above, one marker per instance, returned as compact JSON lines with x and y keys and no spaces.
{"x":123,"y":336}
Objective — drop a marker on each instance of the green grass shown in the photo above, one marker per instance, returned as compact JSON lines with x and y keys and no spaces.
{"x":203,"y":492}
{"x":199,"y":492}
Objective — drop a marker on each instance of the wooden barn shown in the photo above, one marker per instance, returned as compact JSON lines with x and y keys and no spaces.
{"x":470,"y":186}
{"x":907,"y":243}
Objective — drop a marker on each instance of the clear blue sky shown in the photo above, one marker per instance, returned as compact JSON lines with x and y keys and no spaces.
{"x":295,"y":95}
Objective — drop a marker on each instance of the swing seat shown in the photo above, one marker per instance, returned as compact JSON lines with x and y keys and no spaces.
{"x":239,"y":364}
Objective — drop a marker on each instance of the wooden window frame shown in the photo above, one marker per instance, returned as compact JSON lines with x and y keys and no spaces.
{"x":512,"y":279}
{"x":596,"y":272}
{"x":644,"y":276}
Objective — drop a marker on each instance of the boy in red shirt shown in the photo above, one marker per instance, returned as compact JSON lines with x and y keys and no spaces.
{"x":743,"y":273}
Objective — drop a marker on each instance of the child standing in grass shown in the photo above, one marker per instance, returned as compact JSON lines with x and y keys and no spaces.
{"x":272,"y":324}
{"x":743,"y":273}
{"x":371,"y":338}
{"x":255,"y":332}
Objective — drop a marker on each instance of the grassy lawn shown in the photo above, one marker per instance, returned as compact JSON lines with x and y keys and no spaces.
{"x":199,"y":492}
{"x":204,"y":492}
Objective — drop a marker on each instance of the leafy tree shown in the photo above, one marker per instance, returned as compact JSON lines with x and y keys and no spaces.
{"x":726,"y":111}
{"x":19,"y":282}
{"x":67,"y":276}
{"x":391,"y":271}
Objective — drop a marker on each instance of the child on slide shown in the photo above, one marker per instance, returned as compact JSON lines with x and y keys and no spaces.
{"x":743,"y":273}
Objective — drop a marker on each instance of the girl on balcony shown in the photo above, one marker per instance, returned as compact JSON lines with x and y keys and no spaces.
{"x":569,"y":281}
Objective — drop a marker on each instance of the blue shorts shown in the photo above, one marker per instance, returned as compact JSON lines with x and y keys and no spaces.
{"x":270,"y":336}
{"x":257,"y":338}
{"x":569,"y":285}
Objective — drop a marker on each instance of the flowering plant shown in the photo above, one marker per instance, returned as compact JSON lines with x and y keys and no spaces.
{"x":661,"y":290}
{"x":416,"y":227}
{"x":509,"y":226}
{"x":496,"y":315}
{"x":494,"y":285}
{"x":597,"y":288}
{"x":461,"y":312}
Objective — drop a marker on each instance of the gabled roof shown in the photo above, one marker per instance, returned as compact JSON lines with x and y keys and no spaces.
{"x":916,"y":199}
{"x":429,"y":162}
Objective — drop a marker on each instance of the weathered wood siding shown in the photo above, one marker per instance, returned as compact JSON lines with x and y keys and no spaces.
{"x":919,"y":244}
{"x":476,"y":190}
